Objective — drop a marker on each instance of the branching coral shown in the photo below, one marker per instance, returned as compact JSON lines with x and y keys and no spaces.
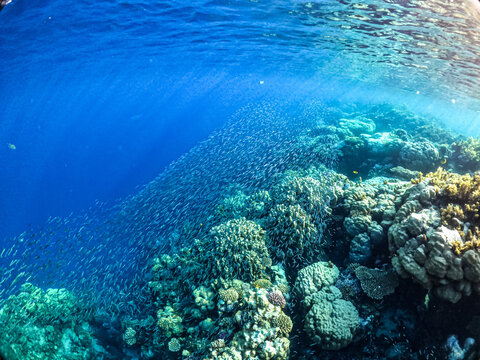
{"x":237,"y":250}
{"x":290,"y":230}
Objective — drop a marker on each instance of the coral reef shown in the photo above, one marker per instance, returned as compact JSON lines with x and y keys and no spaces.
{"x":466,"y":154}
{"x":312,"y":278}
{"x":368,"y":210}
{"x":264,"y":330}
{"x":434,"y":238}
{"x":51,"y":324}
{"x":248,"y":276}
{"x":237,"y":250}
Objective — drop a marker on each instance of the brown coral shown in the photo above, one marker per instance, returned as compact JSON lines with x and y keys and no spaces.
{"x":376,"y":283}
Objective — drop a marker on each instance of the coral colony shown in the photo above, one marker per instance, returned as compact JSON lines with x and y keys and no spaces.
{"x":363,"y":244}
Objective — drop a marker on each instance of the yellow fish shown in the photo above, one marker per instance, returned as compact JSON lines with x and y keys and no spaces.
{"x":444,"y":161}
{"x":12,"y":147}
{"x":355,"y":172}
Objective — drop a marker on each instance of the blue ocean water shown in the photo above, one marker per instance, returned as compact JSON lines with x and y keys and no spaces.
{"x":99,"y":98}
{"x":92,"y":91}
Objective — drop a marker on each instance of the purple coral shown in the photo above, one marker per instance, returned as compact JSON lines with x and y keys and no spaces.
{"x":223,"y":335}
{"x":276,"y":298}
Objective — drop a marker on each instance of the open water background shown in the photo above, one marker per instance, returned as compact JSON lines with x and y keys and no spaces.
{"x":99,"y":97}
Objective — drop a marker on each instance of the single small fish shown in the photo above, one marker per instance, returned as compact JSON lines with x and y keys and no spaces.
{"x":355,"y":172}
{"x":427,"y":300}
{"x":444,"y":161}
{"x":12,"y":147}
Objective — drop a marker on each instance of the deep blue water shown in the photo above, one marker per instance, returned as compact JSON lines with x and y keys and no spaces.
{"x":98,"y":97}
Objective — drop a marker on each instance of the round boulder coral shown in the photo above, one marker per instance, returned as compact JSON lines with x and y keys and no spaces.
{"x":312,"y":278}
{"x":331,"y":321}
{"x":174,"y":345}
{"x":229,"y":295}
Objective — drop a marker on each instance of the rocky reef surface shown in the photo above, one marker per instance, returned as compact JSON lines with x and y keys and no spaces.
{"x":373,"y":254}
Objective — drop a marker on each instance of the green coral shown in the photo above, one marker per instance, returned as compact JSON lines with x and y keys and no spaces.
{"x":51,"y":324}
{"x":238,"y":250}
{"x":174,"y":345}
{"x":331,"y":321}
{"x":169,"y":321}
{"x":312,"y":278}
{"x":204,"y":298}
{"x":228,"y":295}
{"x":284,"y":324}
{"x":130,"y":336}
